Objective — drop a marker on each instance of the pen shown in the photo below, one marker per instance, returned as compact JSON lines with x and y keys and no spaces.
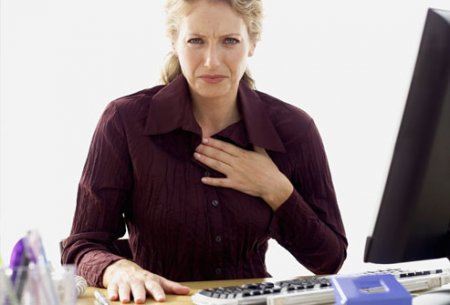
{"x":100,"y":298}
{"x":19,"y":264}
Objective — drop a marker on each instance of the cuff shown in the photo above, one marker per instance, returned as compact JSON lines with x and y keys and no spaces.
{"x":93,"y":264}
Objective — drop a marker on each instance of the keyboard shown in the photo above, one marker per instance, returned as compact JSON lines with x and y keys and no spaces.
{"x":310,"y":290}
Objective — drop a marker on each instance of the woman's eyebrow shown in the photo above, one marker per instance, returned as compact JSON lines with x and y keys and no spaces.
{"x":205,"y":35}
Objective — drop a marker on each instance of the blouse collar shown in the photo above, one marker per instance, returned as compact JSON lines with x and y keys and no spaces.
{"x":171,"y":108}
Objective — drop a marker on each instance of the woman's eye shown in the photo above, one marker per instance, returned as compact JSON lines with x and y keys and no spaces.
{"x":231,"y":40}
{"x":195,"y":41}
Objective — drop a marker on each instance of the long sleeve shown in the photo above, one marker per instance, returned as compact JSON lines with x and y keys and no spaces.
{"x":102,"y":193}
{"x":309,"y":224}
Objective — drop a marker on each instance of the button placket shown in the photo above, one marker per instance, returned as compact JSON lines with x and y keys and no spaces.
{"x":215,"y":221}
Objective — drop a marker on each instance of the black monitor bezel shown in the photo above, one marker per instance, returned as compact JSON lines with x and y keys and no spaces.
{"x":413,"y":220}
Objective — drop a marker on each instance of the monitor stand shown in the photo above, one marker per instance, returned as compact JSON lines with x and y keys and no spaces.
{"x":436,"y":297}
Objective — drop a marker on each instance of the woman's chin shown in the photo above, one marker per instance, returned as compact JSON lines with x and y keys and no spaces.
{"x":210,"y":91}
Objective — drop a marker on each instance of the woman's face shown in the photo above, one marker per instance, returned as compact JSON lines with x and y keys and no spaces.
{"x":213,"y":46}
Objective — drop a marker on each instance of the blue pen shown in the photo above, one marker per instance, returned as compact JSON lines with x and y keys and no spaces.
{"x":18,"y":263}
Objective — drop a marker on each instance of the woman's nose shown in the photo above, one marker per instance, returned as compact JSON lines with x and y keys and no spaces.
{"x":212,"y":57}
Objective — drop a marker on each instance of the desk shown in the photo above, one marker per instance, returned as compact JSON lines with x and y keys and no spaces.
{"x":427,"y":298}
{"x":88,"y":298}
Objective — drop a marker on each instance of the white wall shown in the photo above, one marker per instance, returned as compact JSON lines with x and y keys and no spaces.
{"x":347,"y":63}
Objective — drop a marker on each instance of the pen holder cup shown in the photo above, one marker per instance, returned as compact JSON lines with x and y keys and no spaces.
{"x":37,"y":285}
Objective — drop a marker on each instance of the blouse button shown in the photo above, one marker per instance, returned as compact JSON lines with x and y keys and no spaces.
{"x":218,"y":271}
{"x":215,"y":203}
{"x":218,"y":238}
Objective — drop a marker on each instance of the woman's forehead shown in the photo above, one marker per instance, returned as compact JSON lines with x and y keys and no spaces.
{"x":207,"y":17}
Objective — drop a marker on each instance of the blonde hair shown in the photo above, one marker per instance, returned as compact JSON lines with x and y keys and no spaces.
{"x":249,"y":10}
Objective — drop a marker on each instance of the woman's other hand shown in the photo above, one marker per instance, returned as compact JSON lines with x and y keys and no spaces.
{"x":125,"y":279}
{"x":250,"y":172}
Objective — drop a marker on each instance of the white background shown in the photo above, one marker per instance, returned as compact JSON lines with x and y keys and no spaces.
{"x":347,"y":63}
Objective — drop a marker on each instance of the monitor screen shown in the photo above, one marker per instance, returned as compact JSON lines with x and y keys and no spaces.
{"x":414,"y":215}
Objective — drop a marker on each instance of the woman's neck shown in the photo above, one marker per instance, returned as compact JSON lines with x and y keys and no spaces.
{"x":215,"y":114}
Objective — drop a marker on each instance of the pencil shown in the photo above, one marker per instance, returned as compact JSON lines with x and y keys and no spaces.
{"x":100,"y":298}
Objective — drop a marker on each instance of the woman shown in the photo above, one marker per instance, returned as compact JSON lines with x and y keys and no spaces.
{"x":203,"y":170}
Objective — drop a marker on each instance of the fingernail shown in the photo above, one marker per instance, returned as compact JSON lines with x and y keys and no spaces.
{"x":196,"y":155}
{"x":205,"y":140}
{"x":113,"y":297}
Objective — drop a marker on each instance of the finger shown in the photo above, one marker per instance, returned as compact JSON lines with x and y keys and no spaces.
{"x":220,"y":182}
{"x":138,"y":291}
{"x":226,"y":147}
{"x":261,"y":151}
{"x":215,"y":153}
{"x":173,"y":287}
{"x":212,"y":163}
{"x":155,"y":290}
{"x":124,"y":293}
{"x":112,"y":291}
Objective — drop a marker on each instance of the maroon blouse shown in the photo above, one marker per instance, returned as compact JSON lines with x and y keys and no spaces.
{"x":140,"y":174}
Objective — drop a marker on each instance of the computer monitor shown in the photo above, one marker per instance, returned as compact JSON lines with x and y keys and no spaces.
{"x":414,"y":215}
